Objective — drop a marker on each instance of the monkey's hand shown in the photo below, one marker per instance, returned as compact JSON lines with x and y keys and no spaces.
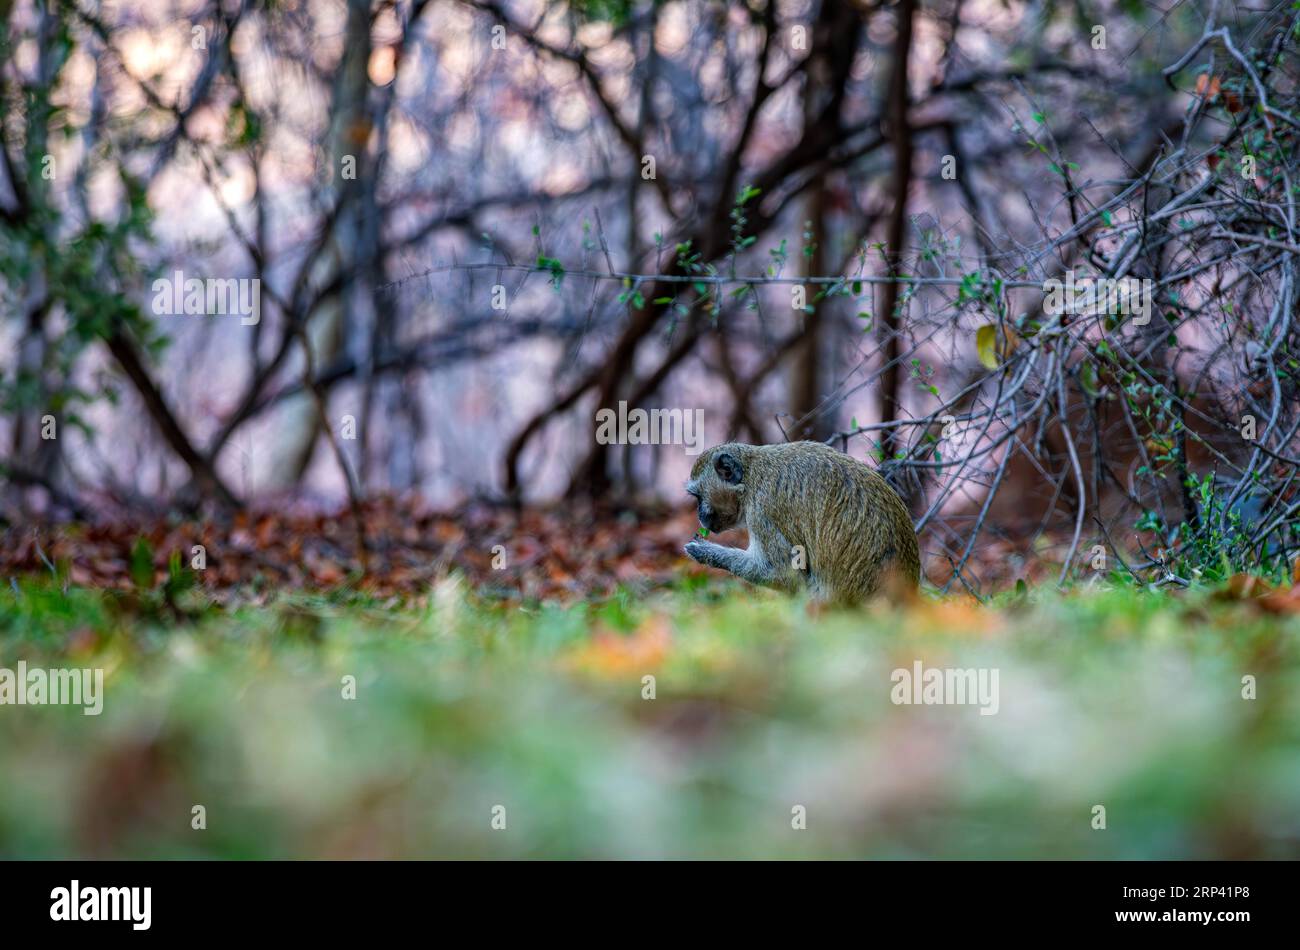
{"x":705,"y":552}
{"x":744,"y":564}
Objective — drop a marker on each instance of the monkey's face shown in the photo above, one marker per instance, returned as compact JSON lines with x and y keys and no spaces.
{"x":717,"y":485}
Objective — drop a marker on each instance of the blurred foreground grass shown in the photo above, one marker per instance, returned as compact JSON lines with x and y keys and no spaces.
{"x":1125,"y":699}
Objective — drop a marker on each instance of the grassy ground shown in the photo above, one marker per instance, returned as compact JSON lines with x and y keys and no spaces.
{"x":1122,"y":699}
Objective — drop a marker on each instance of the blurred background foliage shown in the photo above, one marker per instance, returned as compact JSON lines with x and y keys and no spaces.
{"x":648,"y":181}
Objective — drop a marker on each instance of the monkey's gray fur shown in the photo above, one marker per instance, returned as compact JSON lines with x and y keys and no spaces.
{"x":804,"y":497}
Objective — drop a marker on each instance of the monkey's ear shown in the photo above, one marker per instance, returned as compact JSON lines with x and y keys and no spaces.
{"x":728,"y":469}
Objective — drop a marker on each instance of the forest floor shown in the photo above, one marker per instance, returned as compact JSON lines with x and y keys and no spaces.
{"x":554,"y":553}
{"x":693,"y":718}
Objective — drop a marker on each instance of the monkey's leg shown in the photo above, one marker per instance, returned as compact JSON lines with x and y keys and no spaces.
{"x":744,"y":564}
{"x":768,"y":545}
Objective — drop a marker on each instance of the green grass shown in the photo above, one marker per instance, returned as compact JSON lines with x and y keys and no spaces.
{"x":1127,"y":699}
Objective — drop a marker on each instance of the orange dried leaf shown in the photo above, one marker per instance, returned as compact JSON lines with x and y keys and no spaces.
{"x":1281,"y":601}
{"x":1243,"y":587}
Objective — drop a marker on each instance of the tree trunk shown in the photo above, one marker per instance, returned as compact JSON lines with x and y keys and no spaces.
{"x":891,"y":322}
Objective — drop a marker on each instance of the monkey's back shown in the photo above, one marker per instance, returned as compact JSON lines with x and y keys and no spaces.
{"x":854,"y":527}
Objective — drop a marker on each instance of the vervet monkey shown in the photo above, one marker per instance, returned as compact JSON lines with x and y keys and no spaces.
{"x":816,"y":518}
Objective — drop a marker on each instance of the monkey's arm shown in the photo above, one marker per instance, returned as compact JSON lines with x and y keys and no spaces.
{"x":746,"y":565}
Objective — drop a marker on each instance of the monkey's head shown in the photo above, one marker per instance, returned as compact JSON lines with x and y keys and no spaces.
{"x":718,"y":486}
